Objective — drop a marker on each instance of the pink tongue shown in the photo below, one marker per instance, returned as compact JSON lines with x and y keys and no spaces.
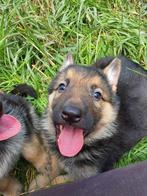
{"x":9,"y":127}
{"x":70,"y":141}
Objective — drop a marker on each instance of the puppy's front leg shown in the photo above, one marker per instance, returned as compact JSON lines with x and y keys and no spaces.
{"x":46,"y":165}
{"x":44,"y":180}
{"x":10,"y":186}
{"x":34,"y":152}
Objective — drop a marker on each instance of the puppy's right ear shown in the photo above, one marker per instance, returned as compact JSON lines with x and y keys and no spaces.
{"x":1,"y":109}
{"x":68,"y":61}
{"x":112,"y":72}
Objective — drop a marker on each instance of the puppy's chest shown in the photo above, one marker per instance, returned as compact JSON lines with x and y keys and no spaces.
{"x":86,"y":159}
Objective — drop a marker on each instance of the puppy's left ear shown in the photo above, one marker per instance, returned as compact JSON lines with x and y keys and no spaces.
{"x":112,"y":72}
{"x":68,"y":61}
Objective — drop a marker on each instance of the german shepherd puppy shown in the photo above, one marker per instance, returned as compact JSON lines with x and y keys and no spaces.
{"x":18,"y":136}
{"x":94,"y":114}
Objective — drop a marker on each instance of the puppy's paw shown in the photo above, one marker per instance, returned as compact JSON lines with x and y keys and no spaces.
{"x":16,"y":189}
{"x":61,"y":180}
{"x":10,"y":187}
{"x":41,"y":181}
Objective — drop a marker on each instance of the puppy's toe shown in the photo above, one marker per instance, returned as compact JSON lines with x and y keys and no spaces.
{"x":61,"y":180}
{"x":18,"y":189}
{"x":41,"y":181}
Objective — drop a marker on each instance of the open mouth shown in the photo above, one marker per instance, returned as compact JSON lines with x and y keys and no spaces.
{"x":70,"y":140}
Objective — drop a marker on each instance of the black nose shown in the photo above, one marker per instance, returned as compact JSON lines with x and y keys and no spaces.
{"x":71,"y":114}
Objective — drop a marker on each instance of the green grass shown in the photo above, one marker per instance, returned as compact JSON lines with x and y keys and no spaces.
{"x":35,"y":36}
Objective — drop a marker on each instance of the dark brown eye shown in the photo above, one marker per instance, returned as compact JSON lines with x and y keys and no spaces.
{"x":62,"y":87}
{"x":97,"y":94}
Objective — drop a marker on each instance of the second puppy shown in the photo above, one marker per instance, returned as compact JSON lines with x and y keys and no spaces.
{"x":19,"y":131}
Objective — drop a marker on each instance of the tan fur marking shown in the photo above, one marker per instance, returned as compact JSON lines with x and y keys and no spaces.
{"x":54,"y":167}
{"x":50,"y":100}
{"x":34,"y":152}
{"x":77,"y":78}
{"x":95,"y":80}
{"x":10,"y":187}
{"x":108,"y":113}
{"x":101,"y":131}
{"x":71,"y":74}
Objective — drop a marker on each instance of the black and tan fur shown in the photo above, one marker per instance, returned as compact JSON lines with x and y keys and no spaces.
{"x":112,"y":124}
{"x":26,"y":142}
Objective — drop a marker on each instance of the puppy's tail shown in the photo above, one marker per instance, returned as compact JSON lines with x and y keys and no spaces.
{"x":24,"y":90}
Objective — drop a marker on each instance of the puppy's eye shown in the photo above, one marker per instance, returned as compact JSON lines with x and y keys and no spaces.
{"x":97,"y":94}
{"x":62,"y":87}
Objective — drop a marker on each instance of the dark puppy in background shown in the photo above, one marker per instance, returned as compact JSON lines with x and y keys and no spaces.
{"x":19,"y":131}
{"x":94,"y":115}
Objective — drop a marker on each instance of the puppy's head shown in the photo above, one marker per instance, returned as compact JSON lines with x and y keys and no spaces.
{"x":82,"y":104}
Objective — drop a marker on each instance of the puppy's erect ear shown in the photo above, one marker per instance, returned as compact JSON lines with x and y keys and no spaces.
{"x":112,"y":72}
{"x":68,"y":61}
